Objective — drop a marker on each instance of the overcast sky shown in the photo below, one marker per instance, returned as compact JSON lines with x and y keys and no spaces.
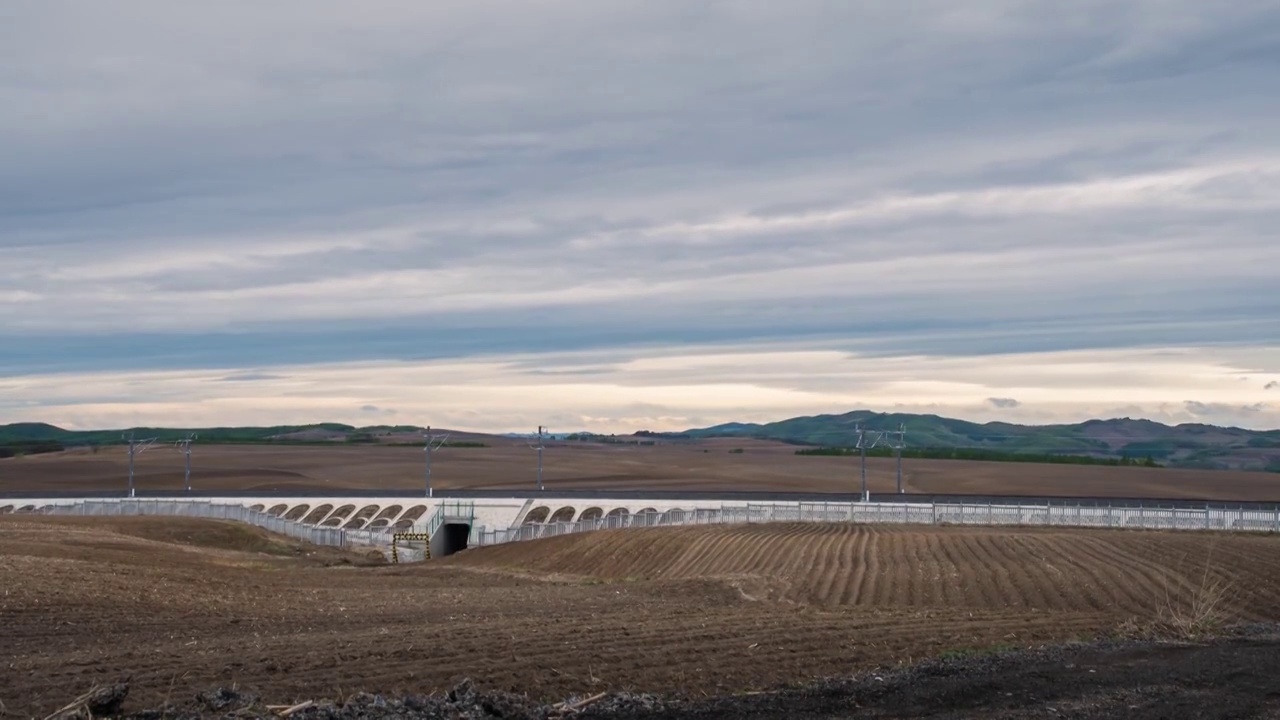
{"x":626,"y":215}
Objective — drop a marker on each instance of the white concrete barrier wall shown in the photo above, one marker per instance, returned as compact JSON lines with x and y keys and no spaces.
{"x":344,"y":511}
{"x":185,"y":508}
{"x":1207,"y":518}
{"x":508,"y":519}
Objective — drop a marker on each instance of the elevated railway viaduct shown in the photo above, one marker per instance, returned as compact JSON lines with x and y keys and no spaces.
{"x":504,"y":508}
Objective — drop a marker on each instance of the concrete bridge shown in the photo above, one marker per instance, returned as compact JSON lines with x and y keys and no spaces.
{"x":362,"y":512}
{"x":493,"y":516}
{"x":497,"y":509}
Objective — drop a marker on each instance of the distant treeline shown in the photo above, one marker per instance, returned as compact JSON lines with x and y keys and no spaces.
{"x":13,"y":448}
{"x":447,"y":444}
{"x":30,"y":447}
{"x":611,"y":439}
{"x":987,"y":455}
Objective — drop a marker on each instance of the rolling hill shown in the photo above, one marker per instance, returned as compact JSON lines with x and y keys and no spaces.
{"x":1188,"y":445}
{"x":35,"y":438}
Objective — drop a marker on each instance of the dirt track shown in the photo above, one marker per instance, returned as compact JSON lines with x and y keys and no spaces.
{"x":180,"y":606}
{"x":707,"y":465}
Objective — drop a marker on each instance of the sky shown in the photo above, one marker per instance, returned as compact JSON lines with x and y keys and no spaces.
{"x":638,"y":214}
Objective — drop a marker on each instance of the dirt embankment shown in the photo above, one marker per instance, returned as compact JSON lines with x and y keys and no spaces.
{"x":148,"y":540}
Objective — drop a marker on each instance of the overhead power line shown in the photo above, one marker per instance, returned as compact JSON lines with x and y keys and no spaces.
{"x":136,"y":447}
{"x":185,"y":446}
{"x":431,"y":446}
{"x":539,"y":448}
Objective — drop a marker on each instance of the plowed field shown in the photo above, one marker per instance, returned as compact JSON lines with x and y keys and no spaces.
{"x":840,"y":565}
{"x":183,"y":605}
{"x":722,"y":464}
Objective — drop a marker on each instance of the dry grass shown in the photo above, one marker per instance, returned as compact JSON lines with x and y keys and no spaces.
{"x":1195,"y":603}
{"x":1202,"y":608}
{"x":99,"y":701}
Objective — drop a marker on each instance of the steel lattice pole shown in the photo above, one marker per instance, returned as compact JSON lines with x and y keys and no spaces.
{"x":130,"y":466}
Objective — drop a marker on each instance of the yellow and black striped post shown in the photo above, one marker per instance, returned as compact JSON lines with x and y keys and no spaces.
{"x":397,"y":537}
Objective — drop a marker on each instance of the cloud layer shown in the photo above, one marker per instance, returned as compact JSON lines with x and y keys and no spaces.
{"x":239,"y":187}
{"x":670,"y":389}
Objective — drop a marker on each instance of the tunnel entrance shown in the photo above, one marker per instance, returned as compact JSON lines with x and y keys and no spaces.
{"x":449,"y":539}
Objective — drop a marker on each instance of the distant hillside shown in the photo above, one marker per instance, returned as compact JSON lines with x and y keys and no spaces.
{"x":35,"y":438}
{"x":29,"y":432}
{"x":1188,"y":445}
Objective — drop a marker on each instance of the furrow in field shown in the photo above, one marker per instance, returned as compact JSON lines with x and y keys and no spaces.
{"x":1114,"y":581}
{"x":852,"y":546}
{"x":865,"y":591}
{"x":832,"y":587}
{"x":1151,"y":580}
{"x":1094,"y":584}
{"x":976,"y":583}
{"x":1002,"y":571}
{"x":821,"y":574}
{"x":1049,"y":586}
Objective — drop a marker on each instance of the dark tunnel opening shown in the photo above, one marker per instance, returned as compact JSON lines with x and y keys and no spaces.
{"x":449,"y":539}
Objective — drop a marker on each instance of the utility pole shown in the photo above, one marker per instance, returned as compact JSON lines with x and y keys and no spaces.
{"x":863,"y":451}
{"x":862,"y":447}
{"x":902,"y":442}
{"x":431,"y":445}
{"x":129,"y":437}
{"x":136,"y":447}
{"x":185,"y":446}
{"x":539,"y":448}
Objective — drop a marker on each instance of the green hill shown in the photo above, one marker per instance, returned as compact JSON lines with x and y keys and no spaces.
{"x":20,"y":432}
{"x":1189,"y":445}
{"x":35,"y":438}
{"x":1121,"y":440}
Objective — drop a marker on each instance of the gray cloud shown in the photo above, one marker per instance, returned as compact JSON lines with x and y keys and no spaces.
{"x":1003,"y":403}
{"x":569,"y":372}
{"x":1198,"y":408}
{"x":250,"y":377}
{"x":662,"y":388}
{"x":444,"y":178}
{"x":1219,"y":409}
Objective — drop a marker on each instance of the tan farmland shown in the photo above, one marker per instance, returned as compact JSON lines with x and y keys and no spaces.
{"x":706,"y":465}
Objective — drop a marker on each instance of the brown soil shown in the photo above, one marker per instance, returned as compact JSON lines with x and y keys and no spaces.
{"x":146,"y":540}
{"x":714,"y":609}
{"x":706,"y":465}
{"x":1227,"y":678}
{"x":841,"y":565}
